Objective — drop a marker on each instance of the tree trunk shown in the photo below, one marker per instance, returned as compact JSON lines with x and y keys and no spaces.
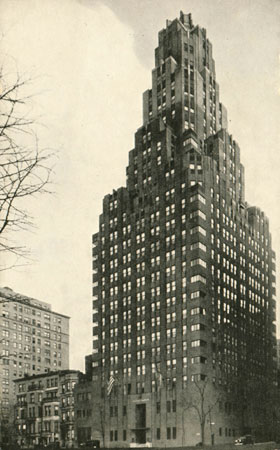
{"x":183,"y":428}
{"x":202,"y":431}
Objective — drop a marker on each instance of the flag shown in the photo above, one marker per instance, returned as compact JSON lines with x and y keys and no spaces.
{"x":110,"y":385}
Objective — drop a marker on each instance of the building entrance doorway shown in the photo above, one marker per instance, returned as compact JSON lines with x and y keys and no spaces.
{"x":140,"y":429}
{"x":140,"y":436}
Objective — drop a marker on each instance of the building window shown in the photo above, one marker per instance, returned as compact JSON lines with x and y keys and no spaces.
{"x":158,"y":433}
{"x":198,"y":343}
{"x":124,"y":435}
{"x":197,"y":278}
{"x":198,"y":261}
{"x":198,"y":197}
{"x":168,"y":433}
{"x":198,"y":229}
{"x":198,"y":310}
{"x":198,"y":245}
{"x":197,"y":213}
{"x":174,"y":432}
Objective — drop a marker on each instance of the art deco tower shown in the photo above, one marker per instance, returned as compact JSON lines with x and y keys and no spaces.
{"x":183,"y":271}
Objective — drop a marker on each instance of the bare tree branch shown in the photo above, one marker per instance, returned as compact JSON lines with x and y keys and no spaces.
{"x":199,"y":397}
{"x":25,"y":168}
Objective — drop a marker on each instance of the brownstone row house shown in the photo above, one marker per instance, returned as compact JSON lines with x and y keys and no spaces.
{"x":44,"y":411}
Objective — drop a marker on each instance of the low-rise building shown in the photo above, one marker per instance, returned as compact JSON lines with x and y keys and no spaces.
{"x":89,"y":412}
{"x":89,"y":408}
{"x":44,"y":410}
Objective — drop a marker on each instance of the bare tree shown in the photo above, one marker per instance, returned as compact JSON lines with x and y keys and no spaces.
{"x":7,"y":425}
{"x":24,"y":167}
{"x":199,"y":397}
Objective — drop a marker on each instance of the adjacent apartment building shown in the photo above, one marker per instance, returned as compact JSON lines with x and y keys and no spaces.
{"x":184,"y":303}
{"x":44,"y":410}
{"x":33,"y":339}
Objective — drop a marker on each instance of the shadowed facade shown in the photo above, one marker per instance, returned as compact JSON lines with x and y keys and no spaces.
{"x":184,"y":341}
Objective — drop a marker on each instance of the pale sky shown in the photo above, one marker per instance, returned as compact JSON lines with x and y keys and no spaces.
{"x":91,"y":60}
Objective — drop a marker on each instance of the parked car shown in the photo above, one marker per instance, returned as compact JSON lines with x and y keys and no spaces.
{"x":244,"y":440}
{"x":93,"y":444}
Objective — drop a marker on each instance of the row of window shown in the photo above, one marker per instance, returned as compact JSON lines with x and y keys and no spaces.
{"x":170,"y":317}
{"x":27,"y":320}
{"x":171,"y":433}
{"x":27,"y":347}
{"x":27,"y":310}
{"x":140,"y":296}
{"x":228,"y":236}
{"x":155,"y":276}
{"x":27,"y":338}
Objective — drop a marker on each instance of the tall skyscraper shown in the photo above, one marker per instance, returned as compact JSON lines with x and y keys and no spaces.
{"x":183,"y":270}
{"x":34,"y":339}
